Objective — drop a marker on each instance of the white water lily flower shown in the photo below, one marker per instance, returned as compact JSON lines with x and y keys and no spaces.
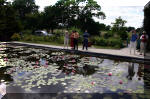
{"x":86,"y":91}
{"x":64,"y":84}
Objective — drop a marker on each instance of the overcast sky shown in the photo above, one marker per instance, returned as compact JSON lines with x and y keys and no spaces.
{"x":129,"y":10}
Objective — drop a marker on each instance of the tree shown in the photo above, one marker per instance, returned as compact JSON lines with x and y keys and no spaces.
{"x":34,"y":21}
{"x":51,"y":17}
{"x":25,"y":7}
{"x":79,"y":12}
{"x":147,"y":20}
{"x":146,"y":23}
{"x":119,"y":23}
{"x":130,"y":28}
{"x":8,"y":22}
{"x":119,"y":27}
{"x":108,"y":27}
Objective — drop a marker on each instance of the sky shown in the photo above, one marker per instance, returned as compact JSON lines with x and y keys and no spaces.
{"x":129,"y":10}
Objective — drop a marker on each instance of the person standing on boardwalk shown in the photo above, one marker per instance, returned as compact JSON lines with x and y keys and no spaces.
{"x":85,"y":40}
{"x":71,"y":40}
{"x":75,"y":40}
{"x":66,"y":39}
{"x":144,"y":39}
{"x":133,"y":41}
{"x":138,"y":41}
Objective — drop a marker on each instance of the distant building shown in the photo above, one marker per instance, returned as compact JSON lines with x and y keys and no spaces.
{"x":147,"y":5}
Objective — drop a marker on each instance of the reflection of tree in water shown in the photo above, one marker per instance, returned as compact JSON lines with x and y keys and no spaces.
{"x":147,"y":76}
{"x":72,"y":67}
{"x":3,"y":76}
{"x":131,"y":72}
{"x":87,"y":70}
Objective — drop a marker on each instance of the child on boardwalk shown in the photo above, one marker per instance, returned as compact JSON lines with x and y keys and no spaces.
{"x":66,"y":39}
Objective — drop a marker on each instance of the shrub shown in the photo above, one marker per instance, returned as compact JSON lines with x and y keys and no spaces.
{"x":108,"y":34}
{"x":27,"y":32}
{"x":15,"y":37}
{"x":28,"y":38}
{"x":123,"y":35}
{"x":100,"y":41}
{"x":111,"y":42}
{"x":37,"y":38}
{"x":59,"y":32}
{"x":115,"y":42}
{"x":47,"y":38}
{"x":60,"y":40}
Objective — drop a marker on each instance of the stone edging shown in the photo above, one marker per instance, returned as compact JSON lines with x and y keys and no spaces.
{"x":102,"y":55}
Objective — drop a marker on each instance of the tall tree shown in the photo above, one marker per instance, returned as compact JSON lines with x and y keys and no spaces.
{"x":118,"y":24}
{"x":8,"y":22}
{"x":147,"y":19}
{"x":25,"y":7}
{"x":52,"y":17}
{"x":79,"y":12}
{"x":130,"y":28}
{"x":119,"y":27}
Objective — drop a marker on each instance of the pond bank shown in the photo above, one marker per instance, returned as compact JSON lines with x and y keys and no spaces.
{"x":122,"y":54}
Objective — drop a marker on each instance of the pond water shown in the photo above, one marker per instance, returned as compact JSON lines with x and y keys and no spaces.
{"x":31,"y":70}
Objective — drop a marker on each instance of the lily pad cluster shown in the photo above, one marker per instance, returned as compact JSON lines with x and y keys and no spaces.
{"x":35,"y":70}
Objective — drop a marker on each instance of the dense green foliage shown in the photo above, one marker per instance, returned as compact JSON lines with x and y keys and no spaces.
{"x":147,"y":20}
{"x":119,"y":28}
{"x":9,"y":23}
{"x":23,"y":17}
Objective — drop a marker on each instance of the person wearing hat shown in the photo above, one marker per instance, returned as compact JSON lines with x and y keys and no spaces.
{"x":144,"y":39}
{"x":66,"y":39}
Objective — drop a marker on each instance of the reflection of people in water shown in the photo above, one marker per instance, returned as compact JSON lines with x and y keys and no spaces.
{"x":140,"y":72}
{"x":130,"y":71}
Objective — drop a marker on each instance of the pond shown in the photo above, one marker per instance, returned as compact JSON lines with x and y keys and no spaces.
{"x":32,"y":70}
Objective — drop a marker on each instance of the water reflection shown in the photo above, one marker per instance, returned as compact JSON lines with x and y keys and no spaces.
{"x":43,"y":69}
{"x":140,"y":72}
{"x":147,"y":76}
{"x":4,"y":76}
{"x":131,"y":71}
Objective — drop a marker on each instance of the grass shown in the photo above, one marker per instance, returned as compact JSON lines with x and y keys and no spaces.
{"x":105,"y":47}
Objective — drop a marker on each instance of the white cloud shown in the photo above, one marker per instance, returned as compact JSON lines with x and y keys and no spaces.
{"x":134,"y":15}
{"x":122,"y":2}
{"x":43,"y":3}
